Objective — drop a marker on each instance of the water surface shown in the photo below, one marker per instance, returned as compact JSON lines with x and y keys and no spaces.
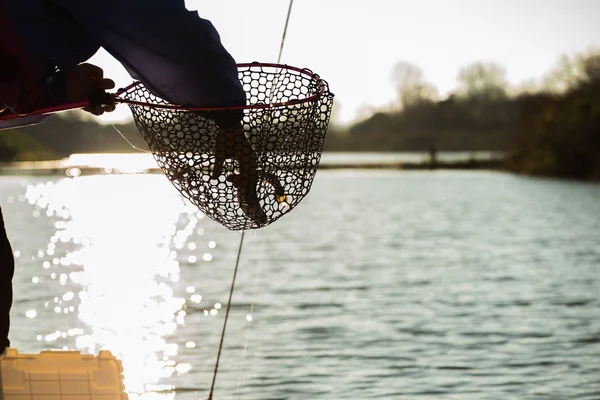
{"x":380,"y":285}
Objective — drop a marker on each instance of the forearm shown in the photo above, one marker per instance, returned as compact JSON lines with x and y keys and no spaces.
{"x":44,"y":44}
{"x":23,"y":85}
{"x":17,"y":98}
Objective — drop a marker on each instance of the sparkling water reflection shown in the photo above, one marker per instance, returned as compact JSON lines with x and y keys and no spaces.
{"x":388,"y":285}
{"x":117,"y":269}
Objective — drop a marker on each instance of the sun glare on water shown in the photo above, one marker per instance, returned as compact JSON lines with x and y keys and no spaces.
{"x":122,"y":163}
{"x":119,"y":278}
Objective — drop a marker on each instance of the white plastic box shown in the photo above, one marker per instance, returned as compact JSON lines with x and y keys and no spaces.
{"x":60,"y":375}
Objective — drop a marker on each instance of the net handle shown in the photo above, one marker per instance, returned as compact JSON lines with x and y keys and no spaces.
{"x":322,"y":85}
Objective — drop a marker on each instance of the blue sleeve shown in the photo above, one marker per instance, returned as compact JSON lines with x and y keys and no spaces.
{"x":175,"y":53}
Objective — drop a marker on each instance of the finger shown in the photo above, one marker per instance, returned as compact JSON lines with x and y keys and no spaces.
{"x":99,"y":109}
{"x":96,"y":110}
{"x":94,"y":70}
{"x":218,"y":165}
{"x":107,"y":84}
{"x":220,"y":154}
{"x":110,"y":107}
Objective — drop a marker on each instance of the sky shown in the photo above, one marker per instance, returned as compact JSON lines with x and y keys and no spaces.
{"x":354,"y":44}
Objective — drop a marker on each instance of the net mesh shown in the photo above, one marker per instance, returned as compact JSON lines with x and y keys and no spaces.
{"x":245,"y":168}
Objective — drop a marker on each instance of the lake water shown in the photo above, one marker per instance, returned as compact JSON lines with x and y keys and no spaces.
{"x":380,"y":285}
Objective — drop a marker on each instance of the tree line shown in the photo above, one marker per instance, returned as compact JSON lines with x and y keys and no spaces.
{"x":546,"y":127}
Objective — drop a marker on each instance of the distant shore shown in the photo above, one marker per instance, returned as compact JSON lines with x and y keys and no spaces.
{"x":105,"y":164}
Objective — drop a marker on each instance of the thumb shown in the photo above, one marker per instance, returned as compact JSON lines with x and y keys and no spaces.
{"x":93,"y":70}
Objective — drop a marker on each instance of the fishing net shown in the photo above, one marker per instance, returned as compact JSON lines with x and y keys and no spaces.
{"x":243,"y":167}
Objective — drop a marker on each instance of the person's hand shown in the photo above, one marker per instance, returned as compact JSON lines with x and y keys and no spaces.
{"x":232,"y":143}
{"x":85,"y":81}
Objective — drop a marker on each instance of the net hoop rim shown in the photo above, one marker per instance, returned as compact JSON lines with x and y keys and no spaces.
{"x":322,"y":84}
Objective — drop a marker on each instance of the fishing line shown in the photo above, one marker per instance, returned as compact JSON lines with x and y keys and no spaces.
{"x":127,"y":140}
{"x":287,"y":22}
{"x":210,"y":397}
{"x":237,"y":263}
{"x":249,"y":319}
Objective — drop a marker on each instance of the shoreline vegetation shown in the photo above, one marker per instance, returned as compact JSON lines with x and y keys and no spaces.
{"x":549,"y":127}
